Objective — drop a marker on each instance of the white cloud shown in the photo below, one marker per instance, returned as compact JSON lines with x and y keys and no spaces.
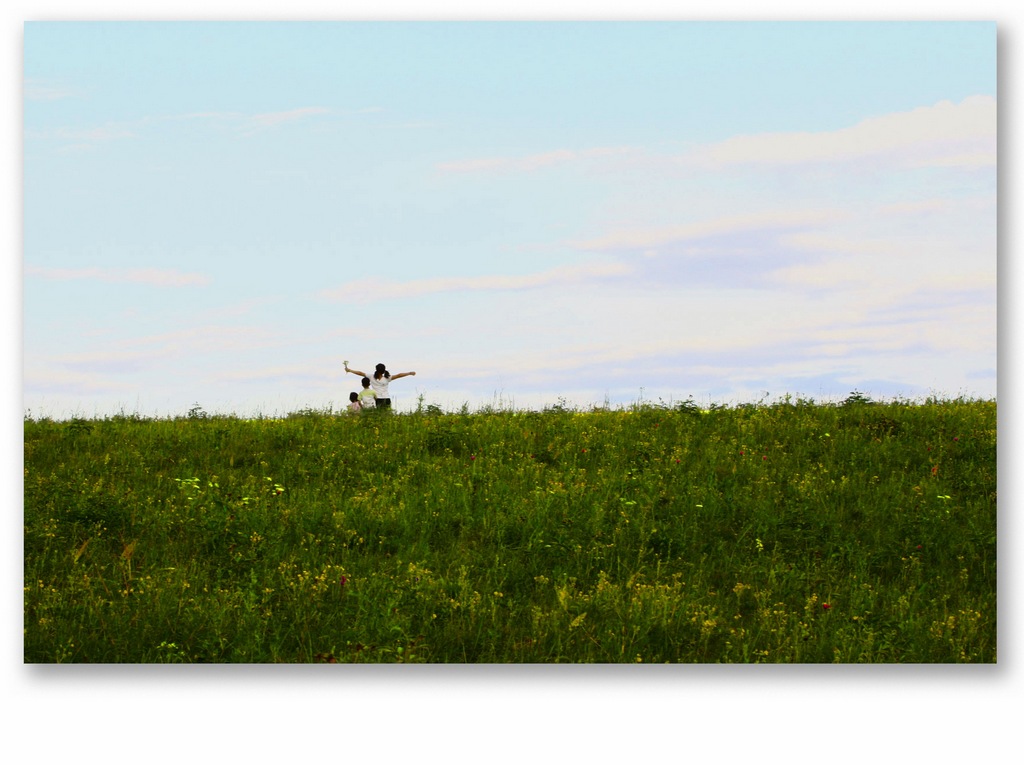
{"x":945,"y":134}
{"x":475,"y":165}
{"x":272,"y":119}
{"x":371,"y":290}
{"x":767,"y":345}
{"x":40,"y":379}
{"x":244,"y":124}
{"x":130,"y":363}
{"x":249,"y":124}
{"x":44,"y":90}
{"x":645,"y":238}
{"x":307,"y":375}
{"x":151,"y":276}
{"x":211,"y":339}
{"x":919,"y":207}
{"x":530,"y":162}
{"x":890,"y":264}
{"x":89,"y":137}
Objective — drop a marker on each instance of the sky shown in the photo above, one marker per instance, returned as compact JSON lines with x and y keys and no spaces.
{"x":219,"y":214}
{"x":222,"y":214}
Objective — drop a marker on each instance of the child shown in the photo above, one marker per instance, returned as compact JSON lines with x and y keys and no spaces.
{"x":367,"y":398}
{"x":354,"y":406}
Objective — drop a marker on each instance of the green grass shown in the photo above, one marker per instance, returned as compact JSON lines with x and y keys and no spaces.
{"x":790,"y":532}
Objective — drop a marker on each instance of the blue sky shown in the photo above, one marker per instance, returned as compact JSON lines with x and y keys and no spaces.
{"x":220,"y":213}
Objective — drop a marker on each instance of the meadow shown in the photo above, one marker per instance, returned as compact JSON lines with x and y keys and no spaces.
{"x":787,"y":532}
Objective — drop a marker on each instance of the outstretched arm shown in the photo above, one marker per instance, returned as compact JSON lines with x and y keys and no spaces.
{"x":356,"y":372}
{"x":403,"y":374}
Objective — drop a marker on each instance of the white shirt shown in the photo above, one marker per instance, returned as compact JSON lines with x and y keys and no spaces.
{"x":380,"y":387}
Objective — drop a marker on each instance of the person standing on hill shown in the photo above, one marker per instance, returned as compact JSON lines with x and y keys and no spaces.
{"x":379,"y":382}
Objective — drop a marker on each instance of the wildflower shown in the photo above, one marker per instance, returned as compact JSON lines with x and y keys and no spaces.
{"x":343,"y":580}
{"x":764,"y":457}
{"x":826,"y":606}
{"x":472,"y":456}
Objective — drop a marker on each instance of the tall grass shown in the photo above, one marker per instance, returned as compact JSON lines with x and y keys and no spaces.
{"x":789,"y":532}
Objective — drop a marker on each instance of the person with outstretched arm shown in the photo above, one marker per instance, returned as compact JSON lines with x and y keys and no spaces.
{"x":379,"y":381}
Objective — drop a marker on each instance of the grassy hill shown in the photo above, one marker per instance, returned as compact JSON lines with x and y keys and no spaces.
{"x":790,"y":532}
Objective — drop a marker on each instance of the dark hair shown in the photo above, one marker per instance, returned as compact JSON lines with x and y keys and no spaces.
{"x":366,"y":382}
{"x":353,"y":396}
{"x":381,"y":370}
